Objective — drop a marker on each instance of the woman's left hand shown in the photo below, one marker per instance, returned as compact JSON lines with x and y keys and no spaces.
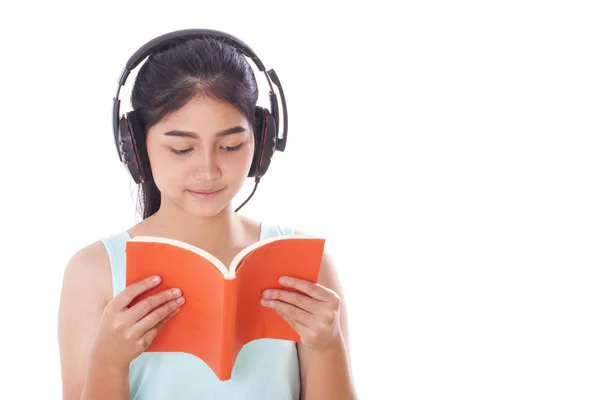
{"x":313,"y":314}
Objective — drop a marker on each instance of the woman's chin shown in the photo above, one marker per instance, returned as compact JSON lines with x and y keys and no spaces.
{"x":207,"y":205}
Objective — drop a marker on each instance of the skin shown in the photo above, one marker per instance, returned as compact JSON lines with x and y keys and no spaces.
{"x":99,"y":335}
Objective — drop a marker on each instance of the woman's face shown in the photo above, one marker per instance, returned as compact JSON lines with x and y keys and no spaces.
{"x":205,"y":146}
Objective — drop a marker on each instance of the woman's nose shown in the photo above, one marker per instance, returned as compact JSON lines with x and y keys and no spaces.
{"x":207,"y":167}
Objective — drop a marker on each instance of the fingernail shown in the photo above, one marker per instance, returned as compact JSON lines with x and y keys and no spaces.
{"x":156,"y":279}
{"x":265,"y":302}
{"x":284,"y":280}
{"x":267,"y":294}
{"x":176,"y":292}
{"x":180,"y":300}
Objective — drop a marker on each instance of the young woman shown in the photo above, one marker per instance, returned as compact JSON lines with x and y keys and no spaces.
{"x":196,"y":107}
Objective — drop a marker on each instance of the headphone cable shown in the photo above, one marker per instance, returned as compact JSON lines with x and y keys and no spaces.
{"x":256,"y":181}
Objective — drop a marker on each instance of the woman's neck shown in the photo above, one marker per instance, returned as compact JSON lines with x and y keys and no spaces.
{"x":223,"y":229}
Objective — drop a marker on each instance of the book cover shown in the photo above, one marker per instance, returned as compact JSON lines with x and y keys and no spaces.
{"x":222,"y":310}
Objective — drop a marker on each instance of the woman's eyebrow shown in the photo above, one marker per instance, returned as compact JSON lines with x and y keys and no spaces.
{"x":194,"y":135}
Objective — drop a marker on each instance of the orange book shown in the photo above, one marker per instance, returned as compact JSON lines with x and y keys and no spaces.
{"x":222,"y":310}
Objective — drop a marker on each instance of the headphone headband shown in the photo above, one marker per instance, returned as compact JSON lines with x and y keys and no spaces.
{"x":164,"y":41}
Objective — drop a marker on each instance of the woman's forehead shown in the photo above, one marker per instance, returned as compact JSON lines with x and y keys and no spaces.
{"x":204,"y":116}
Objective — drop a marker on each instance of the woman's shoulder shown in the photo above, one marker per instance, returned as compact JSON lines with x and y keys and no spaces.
{"x":94,"y":255}
{"x":264,"y":227}
{"x":89,"y":267}
{"x":271,"y":227}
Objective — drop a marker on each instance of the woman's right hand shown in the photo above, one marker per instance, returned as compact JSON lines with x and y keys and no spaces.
{"x":124,"y":333}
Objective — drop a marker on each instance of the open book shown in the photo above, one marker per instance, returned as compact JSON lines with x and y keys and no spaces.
{"x":222,"y":310}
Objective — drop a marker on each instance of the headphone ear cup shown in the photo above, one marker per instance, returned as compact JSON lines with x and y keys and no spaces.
{"x":132,"y":143}
{"x":259,"y":124}
{"x":265,"y":136}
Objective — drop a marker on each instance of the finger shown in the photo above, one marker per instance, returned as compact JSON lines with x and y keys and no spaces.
{"x":314,"y":290}
{"x":149,"y":336}
{"x":166,"y":319}
{"x":126,"y":296}
{"x":299,"y":300}
{"x":291,"y":311}
{"x":297,"y":326}
{"x":154,"y":317}
{"x":142,"y":308}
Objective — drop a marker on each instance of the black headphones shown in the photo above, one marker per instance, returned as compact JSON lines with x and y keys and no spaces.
{"x":128,"y":130}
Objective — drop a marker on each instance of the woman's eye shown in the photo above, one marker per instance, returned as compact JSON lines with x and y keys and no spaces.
{"x":233,"y":148}
{"x":181,"y":151}
{"x":226,"y":148}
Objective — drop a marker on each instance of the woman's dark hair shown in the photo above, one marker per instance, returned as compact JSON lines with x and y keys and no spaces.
{"x":172,"y":77}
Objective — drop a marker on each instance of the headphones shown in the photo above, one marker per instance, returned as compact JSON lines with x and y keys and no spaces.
{"x":128,"y":128}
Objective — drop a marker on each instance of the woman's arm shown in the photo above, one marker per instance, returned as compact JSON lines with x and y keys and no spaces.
{"x":318,"y":315}
{"x":85,"y":293}
{"x":99,"y":335}
{"x":327,"y":373}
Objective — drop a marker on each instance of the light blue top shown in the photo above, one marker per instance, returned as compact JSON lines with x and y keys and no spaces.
{"x":264,"y":369}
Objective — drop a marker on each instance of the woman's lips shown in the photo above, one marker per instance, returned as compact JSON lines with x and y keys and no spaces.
{"x":205,"y":194}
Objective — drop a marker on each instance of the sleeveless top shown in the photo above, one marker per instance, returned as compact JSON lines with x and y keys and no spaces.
{"x":264,"y":368}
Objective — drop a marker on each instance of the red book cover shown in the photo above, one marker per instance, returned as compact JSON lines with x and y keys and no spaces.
{"x":222,"y":310}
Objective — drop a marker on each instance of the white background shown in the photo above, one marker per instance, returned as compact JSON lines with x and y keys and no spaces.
{"x":447,"y":150}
